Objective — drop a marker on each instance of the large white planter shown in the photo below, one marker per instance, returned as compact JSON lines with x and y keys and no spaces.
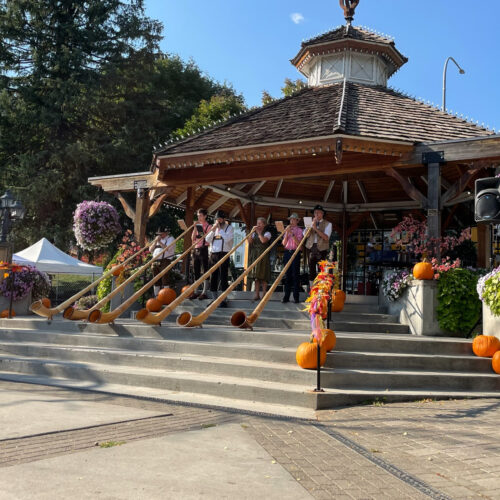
{"x":417,"y":308}
{"x":22,"y":307}
{"x":491,"y":323}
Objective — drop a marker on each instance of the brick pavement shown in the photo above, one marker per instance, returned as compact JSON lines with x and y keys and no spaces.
{"x":443,"y":449}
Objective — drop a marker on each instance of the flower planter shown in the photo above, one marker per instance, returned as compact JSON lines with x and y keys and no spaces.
{"x":22,"y":307}
{"x":417,"y":308}
{"x":491,"y":323}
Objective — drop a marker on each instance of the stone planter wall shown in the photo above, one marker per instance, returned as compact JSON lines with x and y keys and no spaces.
{"x":22,"y":307}
{"x":491,"y":323}
{"x":417,"y":308}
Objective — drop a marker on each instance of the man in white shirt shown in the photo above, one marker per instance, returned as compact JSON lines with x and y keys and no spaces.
{"x":220,"y":238}
{"x":162,"y":244}
{"x":318,"y":242}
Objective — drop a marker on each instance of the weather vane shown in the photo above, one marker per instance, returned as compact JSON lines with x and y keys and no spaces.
{"x":349,"y":6}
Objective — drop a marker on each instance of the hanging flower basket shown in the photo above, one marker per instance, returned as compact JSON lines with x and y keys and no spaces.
{"x":95,"y":224}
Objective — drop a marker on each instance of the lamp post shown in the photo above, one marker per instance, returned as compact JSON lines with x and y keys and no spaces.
{"x":10,"y":210}
{"x":460,"y":70}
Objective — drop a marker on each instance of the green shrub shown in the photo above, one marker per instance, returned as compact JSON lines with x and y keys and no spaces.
{"x":459,"y":306}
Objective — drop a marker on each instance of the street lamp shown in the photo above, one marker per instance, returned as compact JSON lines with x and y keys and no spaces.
{"x":460,"y":70}
{"x":10,"y":210}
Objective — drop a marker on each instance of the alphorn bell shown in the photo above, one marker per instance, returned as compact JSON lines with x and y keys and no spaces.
{"x":97,"y":316}
{"x":240,"y":319}
{"x":75,"y":314}
{"x":48,"y":312}
{"x":156,"y":318}
{"x":186,"y":319}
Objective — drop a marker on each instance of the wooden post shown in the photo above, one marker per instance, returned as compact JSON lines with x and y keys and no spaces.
{"x":188,"y":218}
{"x":434,"y":204}
{"x":483,"y":245}
{"x":141,"y":215}
{"x":344,"y":250}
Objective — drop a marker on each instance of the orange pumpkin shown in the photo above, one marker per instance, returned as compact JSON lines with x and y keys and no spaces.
{"x":423,"y":271}
{"x":117,"y":269}
{"x":153,"y":305}
{"x":166,"y":296}
{"x":495,"y":362}
{"x":338,"y":300}
{"x":485,"y":345}
{"x":5,"y":313}
{"x":306,"y":355}
{"x":328,"y":339}
{"x":184,"y":288}
{"x":46,"y":302}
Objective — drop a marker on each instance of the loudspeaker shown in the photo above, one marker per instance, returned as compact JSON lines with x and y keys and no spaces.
{"x":487,"y":200}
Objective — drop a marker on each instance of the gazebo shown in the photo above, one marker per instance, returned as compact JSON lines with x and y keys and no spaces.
{"x":367,"y":152}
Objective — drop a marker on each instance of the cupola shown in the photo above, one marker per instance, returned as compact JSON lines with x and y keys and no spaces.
{"x":348,"y":52}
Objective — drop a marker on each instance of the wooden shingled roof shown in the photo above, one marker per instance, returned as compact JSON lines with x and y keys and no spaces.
{"x":366,"y":112}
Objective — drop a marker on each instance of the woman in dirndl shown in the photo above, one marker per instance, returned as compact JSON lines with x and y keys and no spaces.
{"x":261,"y":273}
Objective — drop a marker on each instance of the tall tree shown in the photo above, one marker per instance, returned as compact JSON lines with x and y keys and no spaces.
{"x":84,"y":90}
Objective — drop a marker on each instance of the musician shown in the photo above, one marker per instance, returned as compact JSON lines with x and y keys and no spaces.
{"x":259,"y":241}
{"x":293,"y":236}
{"x":220,"y":237}
{"x":318,"y":241}
{"x":200,"y":251}
{"x":162,"y":244}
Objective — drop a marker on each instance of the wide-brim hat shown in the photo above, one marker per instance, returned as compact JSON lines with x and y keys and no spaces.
{"x":319,"y":207}
{"x":220,"y":214}
{"x":293,"y":216}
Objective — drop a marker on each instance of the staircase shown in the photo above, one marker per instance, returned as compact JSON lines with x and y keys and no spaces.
{"x":375,"y":359}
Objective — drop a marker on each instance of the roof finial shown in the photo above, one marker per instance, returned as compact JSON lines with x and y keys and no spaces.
{"x":349,"y":6}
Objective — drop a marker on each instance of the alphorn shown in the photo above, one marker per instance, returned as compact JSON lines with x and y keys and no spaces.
{"x":240,"y":319}
{"x":186,"y":318}
{"x":48,"y":312}
{"x":83,"y":314}
{"x":98,"y":316}
{"x":156,"y":318}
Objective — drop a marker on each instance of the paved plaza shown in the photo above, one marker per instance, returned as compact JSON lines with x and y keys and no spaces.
{"x":59,"y":443}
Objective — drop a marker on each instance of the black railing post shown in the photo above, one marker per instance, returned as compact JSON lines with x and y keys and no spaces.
{"x":11,"y":291}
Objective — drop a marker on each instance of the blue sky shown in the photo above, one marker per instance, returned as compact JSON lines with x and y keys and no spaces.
{"x":249,"y":44}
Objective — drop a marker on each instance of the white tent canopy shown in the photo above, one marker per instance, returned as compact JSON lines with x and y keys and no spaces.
{"x":48,"y":258}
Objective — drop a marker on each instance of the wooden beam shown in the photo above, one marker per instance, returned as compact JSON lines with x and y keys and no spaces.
{"x":408,"y":188}
{"x":450,"y":217}
{"x":129,"y":211}
{"x":362,"y":190}
{"x":124,"y":182}
{"x":203,"y":196}
{"x":278,"y":188}
{"x":244,"y":215}
{"x":156,"y":205}
{"x":328,"y":191}
{"x":460,"y":185}
{"x":224,"y":174}
{"x":141,"y":216}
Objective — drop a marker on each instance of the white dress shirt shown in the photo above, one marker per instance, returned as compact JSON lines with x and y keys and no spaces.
{"x":220,"y":239}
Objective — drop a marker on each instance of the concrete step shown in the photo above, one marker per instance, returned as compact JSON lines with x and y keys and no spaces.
{"x":136,"y":337}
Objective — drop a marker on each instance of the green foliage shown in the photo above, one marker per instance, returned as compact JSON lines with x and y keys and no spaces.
{"x":491,"y":294}
{"x":84,"y":91}
{"x":219,"y":107}
{"x":104,"y":289}
{"x":288,"y":89}
{"x":458,"y":304}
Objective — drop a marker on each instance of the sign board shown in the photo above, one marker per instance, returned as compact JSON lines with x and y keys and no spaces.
{"x":182,"y":224}
{"x":279,"y":226}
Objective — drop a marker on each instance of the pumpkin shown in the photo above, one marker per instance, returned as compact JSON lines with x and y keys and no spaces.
{"x":423,"y":271}
{"x":153,"y":305}
{"x":495,"y":362}
{"x":338,"y":300}
{"x":306,"y":355}
{"x":184,"y":288}
{"x":5,"y":313}
{"x":485,"y":345}
{"x":117,"y":269}
{"x":46,"y":302}
{"x":166,"y":296}
{"x":328,"y":339}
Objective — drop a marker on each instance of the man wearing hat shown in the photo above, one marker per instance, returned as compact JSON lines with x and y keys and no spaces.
{"x":220,"y":238}
{"x":163,"y":247}
{"x":292,"y":238}
{"x":318,"y":242}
